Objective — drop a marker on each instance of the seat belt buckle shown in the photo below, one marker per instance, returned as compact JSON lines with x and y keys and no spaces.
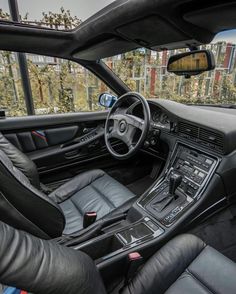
{"x":89,"y":218}
{"x":134,"y":262}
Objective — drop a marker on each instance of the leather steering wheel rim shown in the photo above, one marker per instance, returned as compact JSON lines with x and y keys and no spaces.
{"x":125,"y":125}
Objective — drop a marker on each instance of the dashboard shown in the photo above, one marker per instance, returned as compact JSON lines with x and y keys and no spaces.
{"x":214,"y":130}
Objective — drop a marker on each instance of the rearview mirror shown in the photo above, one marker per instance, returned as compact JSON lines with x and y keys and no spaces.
{"x":191,"y":63}
{"x":107,"y":100}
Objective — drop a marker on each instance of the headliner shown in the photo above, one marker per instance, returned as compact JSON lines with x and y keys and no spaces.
{"x":125,"y":25}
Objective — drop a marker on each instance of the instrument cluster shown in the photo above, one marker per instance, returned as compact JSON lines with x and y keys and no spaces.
{"x":158,"y":117}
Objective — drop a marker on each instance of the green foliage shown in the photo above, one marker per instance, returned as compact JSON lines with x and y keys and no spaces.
{"x":62,"y":19}
{"x":4,"y":15}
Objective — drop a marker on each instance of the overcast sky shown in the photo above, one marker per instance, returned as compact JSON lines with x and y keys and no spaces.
{"x":81,"y":8}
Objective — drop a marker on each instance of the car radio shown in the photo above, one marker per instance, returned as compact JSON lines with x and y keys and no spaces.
{"x":187,"y":175}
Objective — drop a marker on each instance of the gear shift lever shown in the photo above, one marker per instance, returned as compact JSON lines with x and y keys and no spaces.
{"x":175,"y":181}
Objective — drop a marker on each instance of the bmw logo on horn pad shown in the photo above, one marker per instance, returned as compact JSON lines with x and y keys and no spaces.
{"x":122,"y":126}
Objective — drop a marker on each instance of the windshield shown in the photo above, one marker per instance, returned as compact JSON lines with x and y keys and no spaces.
{"x":145,"y":71}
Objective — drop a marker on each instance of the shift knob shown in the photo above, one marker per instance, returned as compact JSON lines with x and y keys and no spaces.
{"x":175,"y":181}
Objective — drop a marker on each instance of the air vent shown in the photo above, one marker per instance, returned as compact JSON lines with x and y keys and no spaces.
{"x":202,"y":136}
{"x":188,"y":129}
{"x":212,"y":138}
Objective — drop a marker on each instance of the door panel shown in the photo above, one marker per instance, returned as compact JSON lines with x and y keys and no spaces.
{"x":40,"y":139}
{"x":58,"y":142}
{"x":82,"y":147}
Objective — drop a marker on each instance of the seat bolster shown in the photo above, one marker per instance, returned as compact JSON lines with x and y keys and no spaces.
{"x":20,"y":161}
{"x":166,"y":266}
{"x":76,"y":184}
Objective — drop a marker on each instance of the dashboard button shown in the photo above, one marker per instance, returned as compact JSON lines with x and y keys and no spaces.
{"x":209,"y":161}
{"x":152,"y":226}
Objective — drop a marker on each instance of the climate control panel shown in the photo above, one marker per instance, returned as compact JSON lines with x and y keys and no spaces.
{"x":195,"y":167}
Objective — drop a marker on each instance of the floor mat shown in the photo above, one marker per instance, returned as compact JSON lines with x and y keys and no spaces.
{"x":140,"y":186}
{"x":220,"y":232}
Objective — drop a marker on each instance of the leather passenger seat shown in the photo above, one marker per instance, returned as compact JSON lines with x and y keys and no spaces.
{"x":184,"y":265}
{"x":25,"y":206}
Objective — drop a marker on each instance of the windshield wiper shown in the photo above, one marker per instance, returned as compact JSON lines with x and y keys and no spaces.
{"x":232,"y":106}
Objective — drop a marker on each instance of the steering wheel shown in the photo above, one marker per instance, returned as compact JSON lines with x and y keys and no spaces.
{"x":124,"y":127}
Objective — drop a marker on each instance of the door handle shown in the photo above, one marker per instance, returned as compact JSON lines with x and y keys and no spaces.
{"x":72,"y":154}
{"x":85,"y":139}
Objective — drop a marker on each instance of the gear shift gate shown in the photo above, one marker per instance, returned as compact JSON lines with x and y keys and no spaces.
{"x":166,"y":196}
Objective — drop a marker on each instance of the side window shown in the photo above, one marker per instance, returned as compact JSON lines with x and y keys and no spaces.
{"x":11,"y":92}
{"x":57,"y":85}
{"x":61,"y":86}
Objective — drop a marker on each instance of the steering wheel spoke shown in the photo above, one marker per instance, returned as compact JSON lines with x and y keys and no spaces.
{"x":135,"y":121}
{"x":131,"y":147}
{"x":116,"y":117}
{"x":114,"y":134}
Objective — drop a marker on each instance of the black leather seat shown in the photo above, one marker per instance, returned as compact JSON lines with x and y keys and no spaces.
{"x":184,"y":265}
{"x":25,"y":206}
{"x":91,"y":191}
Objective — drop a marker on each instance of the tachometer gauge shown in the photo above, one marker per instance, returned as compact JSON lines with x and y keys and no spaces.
{"x":156,"y":116}
{"x":164,"y":119}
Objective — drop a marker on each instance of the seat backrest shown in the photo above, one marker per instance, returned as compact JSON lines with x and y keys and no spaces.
{"x":42,"y":266}
{"x":22,"y":204}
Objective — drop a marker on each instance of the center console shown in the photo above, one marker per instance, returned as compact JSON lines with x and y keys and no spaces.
{"x":188,"y":173}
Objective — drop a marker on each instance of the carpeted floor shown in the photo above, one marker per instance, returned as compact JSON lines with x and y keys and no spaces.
{"x":140,"y":186}
{"x":220,"y":232}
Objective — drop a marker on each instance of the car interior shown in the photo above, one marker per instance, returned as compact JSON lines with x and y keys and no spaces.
{"x":136,"y":198}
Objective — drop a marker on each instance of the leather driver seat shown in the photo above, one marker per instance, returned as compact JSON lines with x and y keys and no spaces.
{"x":25,"y":206}
{"x":184,"y":265}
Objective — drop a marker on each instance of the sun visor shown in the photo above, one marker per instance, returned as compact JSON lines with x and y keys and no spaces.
{"x":104,"y":49}
{"x":151,"y":31}
{"x":215,"y":19}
